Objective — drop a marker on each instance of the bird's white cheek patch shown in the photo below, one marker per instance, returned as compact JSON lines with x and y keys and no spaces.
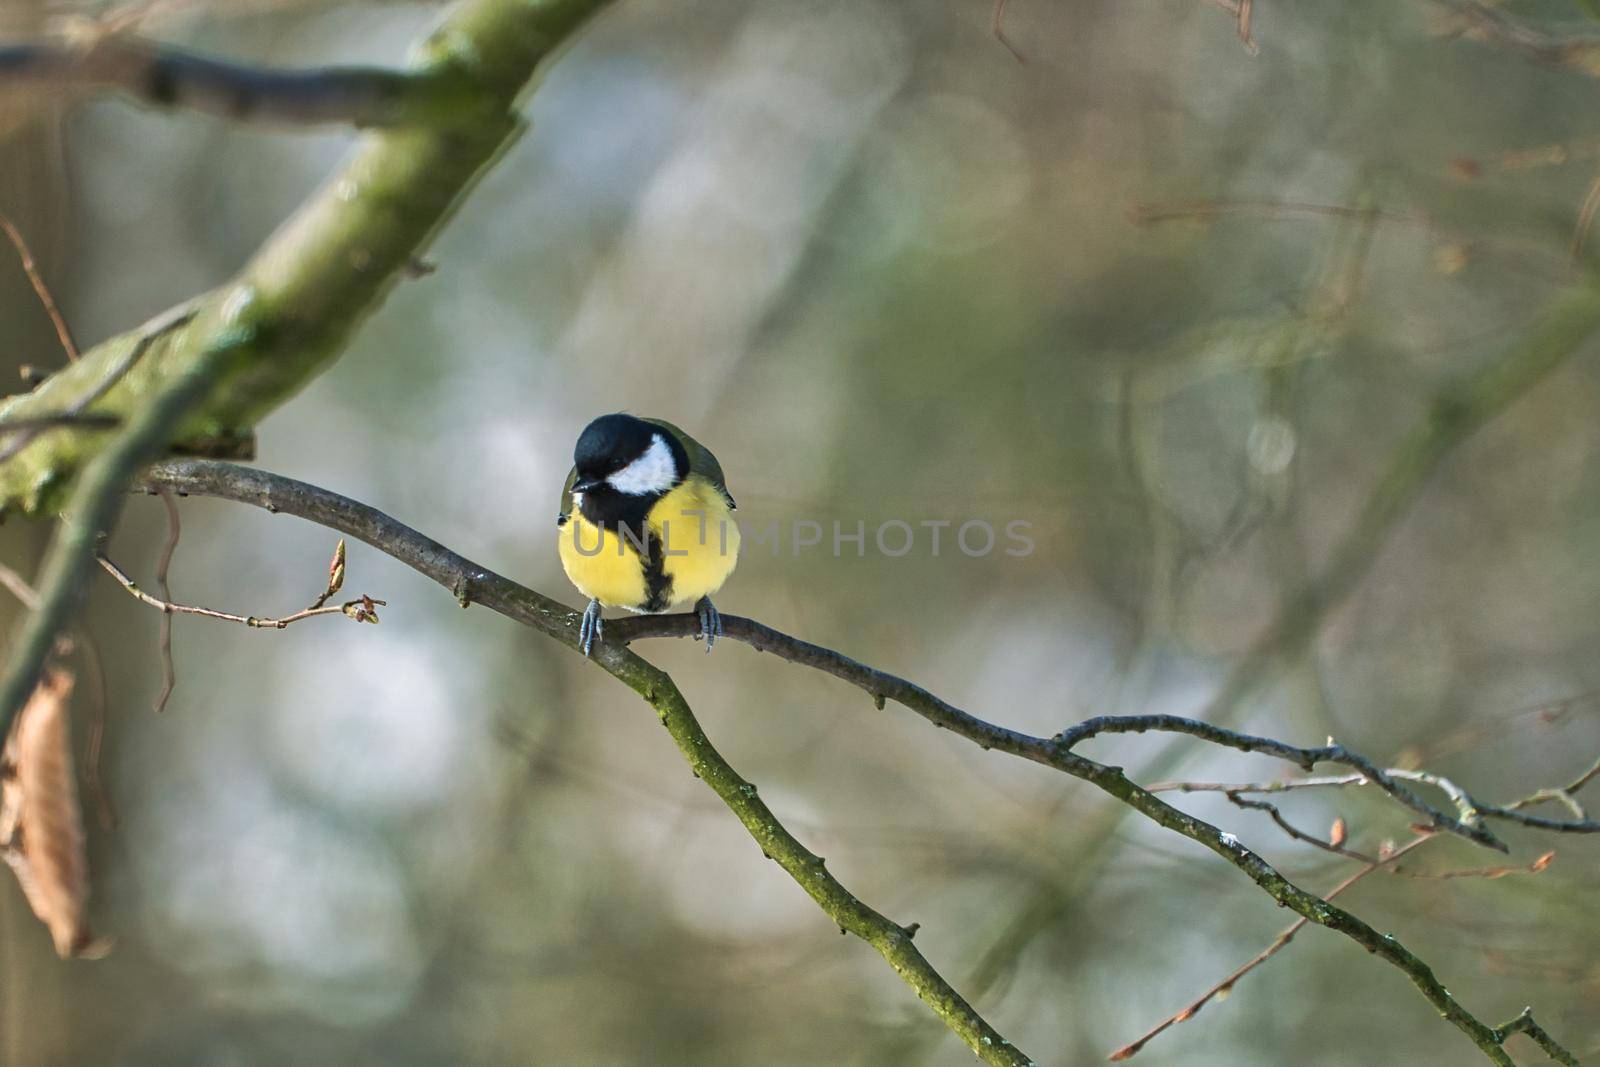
{"x":653,"y":472}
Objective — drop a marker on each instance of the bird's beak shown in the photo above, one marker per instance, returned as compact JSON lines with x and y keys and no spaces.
{"x":586,"y":484}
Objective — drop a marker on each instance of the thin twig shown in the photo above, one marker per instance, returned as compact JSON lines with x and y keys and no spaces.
{"x":169,"y":673}
{"x":19,"y":587}
{"x":1242,"y":12}
{"x":94,"y":746}
{"x":1295,"y":832}
{"x":1537,"y":866}
{"x":1468,"y":821}
{"x":1246,"y":14}
{"x":92,"y":509}
{"x":1485,"y":24}
{"x":1545,"y":714}
{"x":1279,"y":943}
{"x":1144,"y":213}
{"x":1283,"y":785}
{"x":31,"y":269}
{"x":1566,"y":795}
{"x":1524,"y":1024}
{"x":359,"y":610}
{"x":997,"y":27}
{"x":1468,"y":807}
{"x":1583,"y":779}
{"x":1591,"y":204}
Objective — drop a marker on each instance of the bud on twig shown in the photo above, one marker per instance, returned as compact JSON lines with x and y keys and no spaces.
{"x":365,"y":609}
{"x":336,"y":569}
{"x":335,"y":577}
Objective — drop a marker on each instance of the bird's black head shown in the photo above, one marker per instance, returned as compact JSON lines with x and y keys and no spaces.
{"x":624,"y":464}
{"x":608,"y":444}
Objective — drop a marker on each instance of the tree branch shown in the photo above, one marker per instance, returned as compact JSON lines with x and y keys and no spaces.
{"x":1469,"y":823}
{"x":1483,"y":23}
{"x":95,"y":506}
{"x":210,"y":367}
{"x":1050,"y":752}
{"x":361,"y":610}
{"x":1579,"y":824}
{"x":472,"y":583}
{"x":1524,"y":1024}
{"x":170,"y":77}
{"x":330,"y":265}
{"x":1279,"y":943}
{"x":40,"y":289}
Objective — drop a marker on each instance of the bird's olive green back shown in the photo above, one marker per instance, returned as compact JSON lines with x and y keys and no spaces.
{"x":701,"y":461}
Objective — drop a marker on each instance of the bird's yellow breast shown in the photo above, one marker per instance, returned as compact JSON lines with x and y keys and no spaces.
{"x":698,"y":548}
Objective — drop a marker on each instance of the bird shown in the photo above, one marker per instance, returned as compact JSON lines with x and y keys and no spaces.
{"x":646,"y":523}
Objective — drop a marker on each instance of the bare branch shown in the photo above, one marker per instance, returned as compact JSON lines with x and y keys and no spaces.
{"x":251,"y":343}
{"x":1483,"y":23}
{"x":998,"y":29}
{"x":1524,"y":1024}
{"x":469,"y":583}
{"x":31,"y":269}
{"x":19,"y":587}
{"x":1279,"y":943}
{"x":95,"y":506}
{"x":1469,"y":824}
{"x":169,"y":77}
{"x":169,"y":673}
{"x":1591,"y":204}
{"x":1146,"y":213}
{"x":1469,"y":808}
{"x":361,"y":610}
{"x":1243,"y":14}
{"x":1333,"y":846}
{"x":1537,"y":866}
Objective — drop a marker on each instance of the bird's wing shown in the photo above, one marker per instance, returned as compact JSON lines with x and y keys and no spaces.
{"x":566,"y":498}
{"x":701,"y":461}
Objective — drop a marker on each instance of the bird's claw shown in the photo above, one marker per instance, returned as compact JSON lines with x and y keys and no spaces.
{"x":590,"y":627}
{"x":710,"y":621}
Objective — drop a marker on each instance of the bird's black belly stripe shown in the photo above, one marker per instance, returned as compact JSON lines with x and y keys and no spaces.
{"x":629,"y":518}
{"x":657,"y":582}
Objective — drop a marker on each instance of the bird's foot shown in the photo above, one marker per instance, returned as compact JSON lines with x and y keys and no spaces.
{"x":590,"y":627}
{"x":710,"y":622}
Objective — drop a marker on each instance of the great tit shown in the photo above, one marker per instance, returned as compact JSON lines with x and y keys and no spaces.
{"x":646,"y":522}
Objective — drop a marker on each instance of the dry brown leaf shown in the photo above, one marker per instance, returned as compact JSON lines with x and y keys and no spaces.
{"x":41,"y":829}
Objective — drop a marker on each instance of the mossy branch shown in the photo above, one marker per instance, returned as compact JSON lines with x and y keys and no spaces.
{"x":211,"y":368}
{"x":330,"y":265}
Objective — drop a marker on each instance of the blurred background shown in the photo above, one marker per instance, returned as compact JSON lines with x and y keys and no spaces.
{"x":1174,"y":305}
